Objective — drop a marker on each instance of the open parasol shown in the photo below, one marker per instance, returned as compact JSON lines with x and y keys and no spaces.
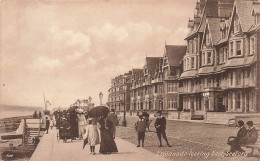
{"x":98,"y":112}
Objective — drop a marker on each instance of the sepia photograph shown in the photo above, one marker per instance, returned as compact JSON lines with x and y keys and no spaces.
{"x":131,"y":80}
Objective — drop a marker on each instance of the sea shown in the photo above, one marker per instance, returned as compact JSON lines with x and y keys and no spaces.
{"x":7,"y":111}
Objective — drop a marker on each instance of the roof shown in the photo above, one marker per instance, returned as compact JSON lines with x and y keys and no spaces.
{"x":256,"y":8}
{"x":188,"y":74}
{"x":175,"y":54}
{"x":244,"y":13}
{"x":151,"y":63}
{"x":206,"y":70}
{"x":210,"y":10}
{"x":238,"y":62}
{"x":215,"y":32}
{"x":136,"y":73}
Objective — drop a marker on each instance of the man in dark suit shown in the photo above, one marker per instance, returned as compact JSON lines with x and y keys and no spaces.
{"x":251,"y":135}
{"x":160,"y":125}
{"x":47,"y":124}
{"x":235,"y":142}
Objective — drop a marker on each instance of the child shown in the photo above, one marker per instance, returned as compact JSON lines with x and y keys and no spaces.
{"x":140,"y":126}
{"x":92,"y":134}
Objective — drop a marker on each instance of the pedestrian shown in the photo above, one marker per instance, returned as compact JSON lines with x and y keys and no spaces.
{"x":140,"y":126}
{"x":234,"y":142}
{"x":113,"y":118}
{"x":146,"y":118}
{"x":92,"y":134}
{"x":160,"y":126}
{"x":81,"y":122}
{"x":107,"y":144}
{"x":47,"y":124}
{"x":51,"y":123}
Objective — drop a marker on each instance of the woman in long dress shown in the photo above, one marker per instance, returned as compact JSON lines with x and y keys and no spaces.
{"x":107,"y":144}
{"x":92,"y":134}
{"x":81,"y":124}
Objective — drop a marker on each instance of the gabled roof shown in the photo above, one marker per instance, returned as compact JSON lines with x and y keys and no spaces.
{"x":175,"y":54}
{"x":210,"y":10}
{"x":243,"y":9}
{"x":136,"y":73}
{"x":151,"y":63}
{"x":213,"y":26}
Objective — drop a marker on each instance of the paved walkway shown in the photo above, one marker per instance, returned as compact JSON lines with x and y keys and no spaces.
{"x":52,"y":150}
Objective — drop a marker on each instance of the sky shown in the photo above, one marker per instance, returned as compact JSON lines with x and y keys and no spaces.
{"x":70,"y":49}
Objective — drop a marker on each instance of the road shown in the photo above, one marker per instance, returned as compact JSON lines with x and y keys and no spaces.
{"x":189,"y":140}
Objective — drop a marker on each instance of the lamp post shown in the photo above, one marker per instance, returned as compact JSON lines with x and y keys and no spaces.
{"x":100,"y":97}
{"x":124,"y":120}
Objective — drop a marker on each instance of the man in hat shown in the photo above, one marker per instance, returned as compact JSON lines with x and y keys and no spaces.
{"x":160,"y":125}
{"x":234,"y":142}
{"x":47,"y":124}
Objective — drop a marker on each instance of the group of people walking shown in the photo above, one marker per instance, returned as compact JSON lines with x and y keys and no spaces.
{"x":102,"y":131}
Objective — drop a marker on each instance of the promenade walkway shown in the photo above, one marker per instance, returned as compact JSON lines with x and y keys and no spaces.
{"x":49,"y":149}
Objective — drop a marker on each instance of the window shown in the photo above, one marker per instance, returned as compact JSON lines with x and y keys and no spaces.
{"x":169,"y":87}
{"x":252,"y":45}
{"x":207,"y":38}
{"x":175,"y":103}
{"x":195,"y":45}
{"x":238,"y":101}
{"x":221,"y":55}
{"x":192,"y":63}
{"x":236,"y":24}
{"x":175,"y":87}
{"x":184,"y":64}
{"x":238,"y":45}
{"x":225,"y":54}
{"x":209,"y":58}
{"x":203,"y":59}
{"x":231,"y":79}
{"x":238,"y":78}
{"x":188,"y":63}
{"x":231,"y":49}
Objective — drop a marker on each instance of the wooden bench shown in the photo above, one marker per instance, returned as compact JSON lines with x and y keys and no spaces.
{"x":256,"y":145}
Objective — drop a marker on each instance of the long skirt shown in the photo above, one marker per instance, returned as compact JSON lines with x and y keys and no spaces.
{"x":107,"y":142}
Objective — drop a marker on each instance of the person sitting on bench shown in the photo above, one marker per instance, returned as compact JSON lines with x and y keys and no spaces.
{"x":251,"y":135}
{"x":234,"y":142}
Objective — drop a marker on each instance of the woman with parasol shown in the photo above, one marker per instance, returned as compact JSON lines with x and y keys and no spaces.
{"x":107,"y":144}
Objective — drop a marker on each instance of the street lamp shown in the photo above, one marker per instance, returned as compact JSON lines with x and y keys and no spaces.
{"x":100,"y":97}
{"x":124,"y":120}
